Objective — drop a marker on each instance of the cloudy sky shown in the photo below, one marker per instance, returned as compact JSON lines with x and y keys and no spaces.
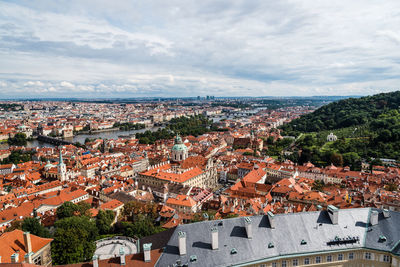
{"x":129,"y":48}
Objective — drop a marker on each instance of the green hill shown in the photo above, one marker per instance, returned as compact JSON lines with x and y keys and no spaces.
{"x":345,"y":113}
{"x":366,"y":127}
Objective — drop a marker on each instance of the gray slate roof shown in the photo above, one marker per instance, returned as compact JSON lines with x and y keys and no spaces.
{"x":387,"y":227}
{"x":313,"y":227}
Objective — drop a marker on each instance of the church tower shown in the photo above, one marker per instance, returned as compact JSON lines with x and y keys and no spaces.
{"x":179,"y":150}
{"x":61,"y":168}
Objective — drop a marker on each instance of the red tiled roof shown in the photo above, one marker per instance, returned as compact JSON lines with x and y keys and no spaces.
{"x":181,"y":200}
{"x":111,"y":205}
{"x":13,"y":241}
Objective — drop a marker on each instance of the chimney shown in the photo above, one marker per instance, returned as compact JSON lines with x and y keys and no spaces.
{"x":373,"y":220}
{"x":333,"y":214}
{"x":249,"y":230}
{"x":386,"y":213}
{"x":14,"y":257}
{"x":182,"y":242}
{"x":27,"y":241}
{"x":146,"y":251}
{"x":28,"y":257}
{"x":271,"y":217}
{"x":122,"y":256}
{"x":95,"y":261}
{"x":214,"y":238}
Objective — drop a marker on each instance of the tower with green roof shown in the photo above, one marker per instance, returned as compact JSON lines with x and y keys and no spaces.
{"x":179,"y":150}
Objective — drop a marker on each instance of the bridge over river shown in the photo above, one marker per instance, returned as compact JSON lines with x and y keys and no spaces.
{"x":53,"y":140}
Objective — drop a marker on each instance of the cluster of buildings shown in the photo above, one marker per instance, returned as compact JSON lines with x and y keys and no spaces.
{"x":281,"y":213}
{"x":65,"y":119}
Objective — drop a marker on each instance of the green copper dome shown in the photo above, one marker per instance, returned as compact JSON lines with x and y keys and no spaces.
{"x":179,"y":145}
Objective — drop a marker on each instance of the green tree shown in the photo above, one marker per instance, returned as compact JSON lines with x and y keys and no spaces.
{"x":336,"y":159}
{"x":83,"y":208}
{"x":141,"y":227}
{"x":270,"y":140}
{"x":16,"y":224}
{"x":376,"y":162}
{"x":104,"y":220}
{"x":18,"y":156}
{"x":33,"y":226}
{"x":18,"y":140}
{"x":67,"y":209}
{"x":74,"y":240}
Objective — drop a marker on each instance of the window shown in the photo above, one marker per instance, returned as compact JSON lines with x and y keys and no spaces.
{"x":340,"y":257}
{"x":284,"y":264}
{"x":295,"y":262}
{"x":263,"y":265}
{"x":318,"y":259}
{"x":386,"y":258}
{"x":306,"y":261}
{"x":329,"y":258}
{"x":38,"y":260}
{"x":351,"y":256}
{"x":367,"y":255}
{"x":274,"y":264}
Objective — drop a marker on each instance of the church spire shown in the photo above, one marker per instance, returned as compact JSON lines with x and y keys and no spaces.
{"x":60,"y":159}
{"x":62,"y":168}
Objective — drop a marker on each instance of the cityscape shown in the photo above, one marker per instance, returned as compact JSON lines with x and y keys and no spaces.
{"x":116,"y":151}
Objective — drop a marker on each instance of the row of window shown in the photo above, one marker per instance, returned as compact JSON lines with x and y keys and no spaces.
{"x":318,"y":259}
{"x":368,"y":256}
{"x":329,"y":258}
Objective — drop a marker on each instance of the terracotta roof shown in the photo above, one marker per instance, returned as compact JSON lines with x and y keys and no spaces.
{"x":24,"y":210}
{"x":163,"y":173}
{"x":190,"y":162}
{"x":254,"y":176}
{"x":111,"y":205}
{"x":6,"y":166}
{"x":181,"y":200}
{"x":10,"y":242}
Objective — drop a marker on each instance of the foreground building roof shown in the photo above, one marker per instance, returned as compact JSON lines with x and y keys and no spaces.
{"x":284,"y":235}
{"x":12,"y":242}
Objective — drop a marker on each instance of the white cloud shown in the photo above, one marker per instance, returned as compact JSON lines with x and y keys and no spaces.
{"x":86,"y":88}
{"x":67,"y":85}
{"x":33,"y":83}
{"x":99,"y":48}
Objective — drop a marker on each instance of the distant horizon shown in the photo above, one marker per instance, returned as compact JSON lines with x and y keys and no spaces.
{"x":119,"y":49}
{"x":174,"y":97}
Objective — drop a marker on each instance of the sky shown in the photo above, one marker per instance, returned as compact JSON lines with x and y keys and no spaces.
{"x":159,"y":48}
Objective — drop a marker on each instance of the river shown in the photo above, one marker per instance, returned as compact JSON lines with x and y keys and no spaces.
{"x":114,"y":134}
{"x":81,"y":138}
